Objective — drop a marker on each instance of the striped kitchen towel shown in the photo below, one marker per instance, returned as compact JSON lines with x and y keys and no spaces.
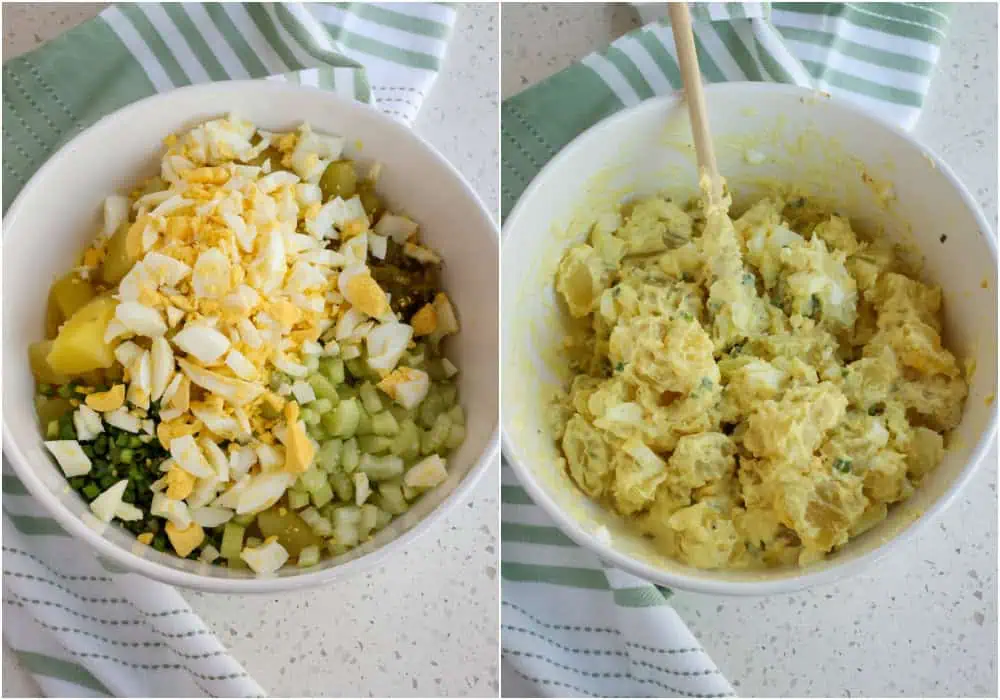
{"x":79,"y":625}
{"x":572,"y":625}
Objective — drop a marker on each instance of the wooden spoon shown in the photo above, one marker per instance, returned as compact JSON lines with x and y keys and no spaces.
{"x":680,"y":22}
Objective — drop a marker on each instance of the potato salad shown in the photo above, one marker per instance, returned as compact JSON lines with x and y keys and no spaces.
{"x":246,"y":365}
{"x":750,"y":392}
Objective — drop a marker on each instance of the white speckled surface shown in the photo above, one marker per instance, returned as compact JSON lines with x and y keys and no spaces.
{"x":425,"y":624}
{"x":925,"y":623}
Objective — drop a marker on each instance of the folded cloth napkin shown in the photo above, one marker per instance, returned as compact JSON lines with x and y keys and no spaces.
{"x":79,"y":625}
{"x":571,"y":624}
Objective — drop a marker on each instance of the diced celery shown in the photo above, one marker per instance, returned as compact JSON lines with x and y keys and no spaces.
{"x":369,"y":398}
{"x":321,"y":496}
{"x":384,"y":424}
{"x":244,"y":520}
{"x":391,"y":498}
{"x":435,"y":370}
{"x":316,"y":522}
{"x":328,"y":456}
{"x":346,"y":391}
{"x":456,"y":436}
{"x":369,"y":519}
{"x":312,"y":363}
{"x":430,"y":408}
{"x":317,"y":432}
{"x":381,"y":468}
{"x":409,"y":493}
{"x":449,"y":393}
{"x":350,"y":456}
{"x":364,"y":423}
{"x":232,"y":540}
{"x":309,"y":556}
{"x":343,"y":486}
{"x":336,"y":549}
{"x":254,"y":542}
{"x":312,"y":480}
{"x":321,"y":406}
{"x":374,"y":444}
{"x":345,"y":418}
{"x":346,"y":535}
{"x":327,"y":511}
{"x":346,"y":515}
{"x":406,"y":444}
{"x":297,"y":499}
{"x":309,"y":416}
{"x":362,"y":487}
{"x":333,"y":369}
{"x":457,"y":414}
{"x":399,"y":413}
{"x":356,"y":367}
{"x":324,"y":389}
{"x":433,"y":439}
{"x":383,"y":518}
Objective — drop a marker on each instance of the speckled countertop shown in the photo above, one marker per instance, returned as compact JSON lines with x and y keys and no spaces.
{"x":425,"y":623}
{"x":925,"y":623}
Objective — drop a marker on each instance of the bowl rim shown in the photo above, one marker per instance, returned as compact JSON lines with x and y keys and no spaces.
{"x":696,"y":584}
{"x":268,"y":583}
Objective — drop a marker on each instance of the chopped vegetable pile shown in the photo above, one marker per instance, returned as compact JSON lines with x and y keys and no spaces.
{"x":246,"y":366}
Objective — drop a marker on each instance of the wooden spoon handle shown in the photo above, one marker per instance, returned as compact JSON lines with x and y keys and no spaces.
{"x":680,"y":22}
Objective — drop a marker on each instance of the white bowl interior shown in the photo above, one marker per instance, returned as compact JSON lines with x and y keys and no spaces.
{"x":42,"y":239}
{"x":824,"y":148}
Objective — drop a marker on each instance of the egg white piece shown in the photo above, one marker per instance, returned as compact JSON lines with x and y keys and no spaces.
{"x":70,"y":457}
{"x":105,"y":505}
{"x":205,"y":344}
{"x":265,"y":559}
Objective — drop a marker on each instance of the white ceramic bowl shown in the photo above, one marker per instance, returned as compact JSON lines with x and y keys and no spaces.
{"x":827,"y":148}
{"x":58,"y":212}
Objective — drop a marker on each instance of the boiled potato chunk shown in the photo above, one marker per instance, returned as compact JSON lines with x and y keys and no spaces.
{"x":38,"y":356}
{"x":80,"y":348}
{"x":71,"y":293}
{"x":291,"y":530}
{"x":116,"y":260}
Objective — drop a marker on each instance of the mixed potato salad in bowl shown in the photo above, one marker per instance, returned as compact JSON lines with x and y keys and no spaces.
{"x":247,"y":365}
{"x":752,"y":392}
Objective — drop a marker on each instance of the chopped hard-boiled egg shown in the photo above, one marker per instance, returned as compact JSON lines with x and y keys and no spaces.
{"x":266,"y":559}
{"x":70,"y":457}
{"x":107,"y":504}
{"x":248,"y":280}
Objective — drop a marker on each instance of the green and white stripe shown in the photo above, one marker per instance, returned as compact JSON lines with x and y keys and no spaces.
{"x":571,"y":624}
{"x":877,"y":55}
{"x":386,"y":54}
{"x":80,"y":625}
